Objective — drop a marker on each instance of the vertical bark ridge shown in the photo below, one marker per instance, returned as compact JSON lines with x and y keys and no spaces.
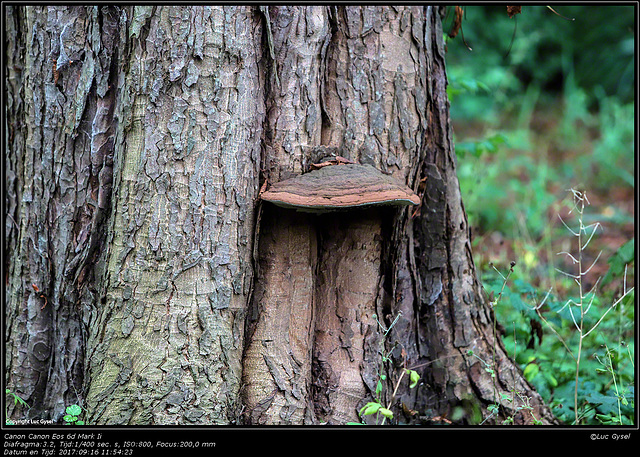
{"x":294,"y":121}
{"x":376,"y":94}
{"x":293,"y":126}
{"x":166,"y":345}
{"x":375,"y":87}
{"x":364,"y":68}
{"x":348,"y":272}
{"x":277,"y":361}
{"x":65,"y":164}
{"x":453,"y":316}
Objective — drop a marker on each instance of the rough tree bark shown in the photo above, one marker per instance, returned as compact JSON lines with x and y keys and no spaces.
{"x":60,"y":72}
{"x":165,"y":291}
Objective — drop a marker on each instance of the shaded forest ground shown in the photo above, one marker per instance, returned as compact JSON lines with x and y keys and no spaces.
{"x":534,"y":118}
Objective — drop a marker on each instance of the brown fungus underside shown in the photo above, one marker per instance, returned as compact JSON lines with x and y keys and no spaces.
{"x":340,"y":187}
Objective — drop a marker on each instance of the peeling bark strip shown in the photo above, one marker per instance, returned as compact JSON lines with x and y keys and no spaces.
{"x":165,"y":346}
{"x":277,"y":361}
{"x":59,"y":166}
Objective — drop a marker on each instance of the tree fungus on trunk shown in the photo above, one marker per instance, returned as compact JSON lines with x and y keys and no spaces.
{"x":334,"y":269}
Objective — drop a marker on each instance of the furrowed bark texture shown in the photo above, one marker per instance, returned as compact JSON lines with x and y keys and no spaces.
{"x":280,"y":328}
{"x":166,"y":342}
{"x":380,"y":76}
{"x":59,"y":166}
{"x":356,"y":77}
{"x":436,"y":292}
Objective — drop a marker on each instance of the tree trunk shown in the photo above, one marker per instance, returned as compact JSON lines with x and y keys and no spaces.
{"x":60,"y":73}
{"x":148,"y":282}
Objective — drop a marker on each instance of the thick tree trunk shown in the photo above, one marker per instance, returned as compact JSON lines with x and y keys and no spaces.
{"x":167,"y":292}
{"x":166,"y":344}
{"x":59,"y":163}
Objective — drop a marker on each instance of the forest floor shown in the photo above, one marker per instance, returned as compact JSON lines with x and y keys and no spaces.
{"x":521,"y":208}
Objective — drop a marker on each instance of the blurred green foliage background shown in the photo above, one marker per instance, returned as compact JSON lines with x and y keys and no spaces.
{"x":541,"y":104}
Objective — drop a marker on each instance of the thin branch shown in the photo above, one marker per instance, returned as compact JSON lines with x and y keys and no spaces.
{"x":568,"y":302}
{"x":563,"y":223}
{"x":607,"y":311}
{"x":555,"y":333}
{"x":566,"y":253}
{"x":594,"y":262}
{"x":574,"y":320}
{"x":567,"y":274}
{"x":597,"y":224}
{"x":594,"y":287}
{"x":537,"y":307}
{"x":593,"y":296}
{"x":498,"y":271}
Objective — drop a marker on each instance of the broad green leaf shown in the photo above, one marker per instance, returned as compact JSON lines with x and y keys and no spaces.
{"x":370,"y":408}
{"x":414,"y":377}
{"x":553,"y":382}
{"x":531,"y":371}
{"x":74,"y":410}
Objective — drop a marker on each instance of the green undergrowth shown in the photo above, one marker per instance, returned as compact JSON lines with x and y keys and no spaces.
{"x":537,"y":121}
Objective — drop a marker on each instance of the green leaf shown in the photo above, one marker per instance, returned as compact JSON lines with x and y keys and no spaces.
{"x":74,"y":410}
{"x":414,"y":377}
{"x":70,"y":418}
{"x":553,"y":382}
{"x":531,"y":371}
{"x":606,"y":419}
{"x":370,"y":408}
{"x":378,"y":388}
{"x":625,"y":255}
{"x":386,"y":413}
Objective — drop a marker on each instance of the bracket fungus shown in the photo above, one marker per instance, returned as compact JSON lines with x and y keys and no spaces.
{"x":317,"y":287}
{"x":340,"y":187}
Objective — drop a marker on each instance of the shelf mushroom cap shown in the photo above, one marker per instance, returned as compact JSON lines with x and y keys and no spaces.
{"x":340,"y":187}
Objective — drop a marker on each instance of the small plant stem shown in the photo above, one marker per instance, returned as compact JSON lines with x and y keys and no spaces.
{"x":581,"y":328}
{"x":393,"y":395}
{"x":615,"y":384}
{"x":494,"y":375}
{"x":575,"y":395}
{"x":548,"y":324}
